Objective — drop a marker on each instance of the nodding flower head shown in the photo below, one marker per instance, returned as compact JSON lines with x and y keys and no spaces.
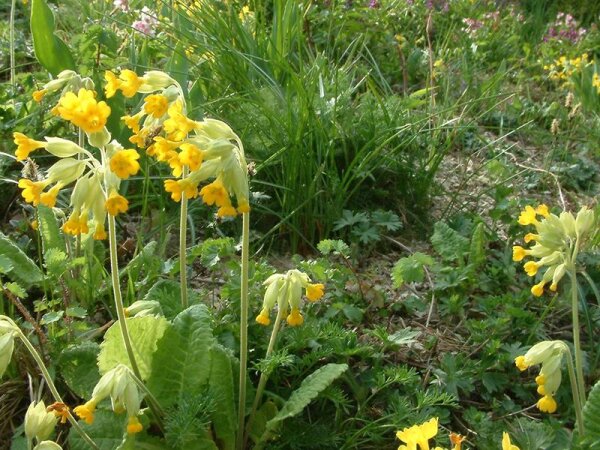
{"x":285,"y":291}
{"x":557,"y":241}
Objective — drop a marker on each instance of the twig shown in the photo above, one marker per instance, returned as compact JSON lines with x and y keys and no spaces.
{"x":29,"y":318}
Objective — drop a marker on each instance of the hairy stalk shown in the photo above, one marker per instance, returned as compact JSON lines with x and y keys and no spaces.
{"x":38,"y":359}
{"x":262,"y":382}
{"x":11,"y":26}
{"x":151,"y":401}
{"x":183,"y":245}
{"x":575,"y":392}
{"x":576,"y":335}
{"x":114,"y":270}
{"x":243,"y":330}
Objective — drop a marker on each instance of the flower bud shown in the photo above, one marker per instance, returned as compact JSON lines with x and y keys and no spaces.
{"x":568,"y":223}
{"x":66,"y":170}
{"x":153,"y":80}
{"x":39,"y":423}
{"x":62,"y":148}
{"x":100,"y":138}
{"x":47,"y":445}
{"x":7,"y":345}
{"x":584,"y":220}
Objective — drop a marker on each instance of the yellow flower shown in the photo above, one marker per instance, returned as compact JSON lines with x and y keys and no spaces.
{"x":542,"y":210}
{"x":538,"y":289}
{"x":457,"y":440}
{"x":518,"y":253}
{"x":83,"y":110}
{"x":163,"y":148}
{"x":314,"y":291}
{"x":130,"y":83}
{"x":139,"y":139}
{"x":295,"y":319}
{"x":226,"y":211}
{"x":531,"y":268}
{"x":133,"y":425}
{"x":528,"y":216}
{"x":100,"y":232}
{"x":156,"y":105}
{"x":38,"y":96}
{"x":34,"y":225}
{"x":124,"y":163}
{"x":521,"y":363}
{"x":530,"y":237}
{"x":418,"y":435}
{"x":32,"y":190}
{"x":243,"y":207}
{"x":547,"y":404}
{"x":133,"y":122}
{"x":49,"y":198}
{"x":76,"y":224}
{"x":116,"y":204}
{"x":191,"y":156}
{"x":86,"y":411}
{"x":178,"y":125}
{"x":179,"y":187}
{"x":506,"y":444}
{"x":174,"y":163}
{"x":112,"y":84}
{"x":215,"y":194}
{"x":263,"y":318}
{"x":25,"y":145}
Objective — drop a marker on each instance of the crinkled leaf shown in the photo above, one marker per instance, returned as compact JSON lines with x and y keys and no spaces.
{"x":16,"y":289}
{"x":310,"y":388}
{"x":477,"y":247}
{"x":448,"y":242}
{"x":168,"y":294}
{"x":49,"y":229}
{"x":55,"y":261}
{"x":107,"y":431}
{"x":591,"y":418}
{"x":144,"y":332}
{"x":181,"y":365}
{"x":6,"y":264}
{"x":221,"y":389}
{"x":327,"y":246}
{"x":79,"y":367}
{"x":23,"y":270}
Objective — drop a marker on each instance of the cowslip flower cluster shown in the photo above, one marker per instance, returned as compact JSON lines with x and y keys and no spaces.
{"x":195,"y":150}
{"x":66,"y":81}
{"x":418,"y":436}
{"x":558,"y":240}
{"x":39,"y":422}
{"x":285,"y":290}
{"x":119,"y":385}
{"x":563,"y":69}
{"x":550,"y":355}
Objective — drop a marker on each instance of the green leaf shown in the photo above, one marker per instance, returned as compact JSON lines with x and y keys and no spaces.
{"x":51,"y":317}
{"x":310,"y":388}
{"x":168,"y":294}
{"x":76,"y":311}
{"x":6,"y":264}
{"x":16,"y":289}
{"x":411,"y":269}
{"x":144,"y":332}
{"x":178,"y":67}
{"x":181,"y":365}
{"x":212,"y":250}
{"x":337,"y":247}
{"x":449,"y":243}
{"x":349,"y":219}
{"x":55,"y":261}
{"x":477,"y":248}
{"x":387,"y":220}
{"x":79,"y":368}
{"x":146,"y":260}
{"x":107,"y":431}
{"x":405,"y":336}
{"x":51,"y":52}
{"x":221,"y":389}
{"x":591,"y":412}
{"x":49,"y":230}
{"x":23,"y":268}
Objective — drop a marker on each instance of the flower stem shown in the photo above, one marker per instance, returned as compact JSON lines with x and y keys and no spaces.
{"x":11,"y":38}
{"x":183,"y":245}
{"x":52,"y":387}
{"x":576,"y":336}
{"x":575,"y":391}
{"x":114,"y":269}
{"x":264,"y":377}
{"x":243,"y":329}
{"x":151,"y":401}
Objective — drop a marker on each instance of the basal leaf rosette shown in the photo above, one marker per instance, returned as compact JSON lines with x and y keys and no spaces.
{"x":557,"y":242}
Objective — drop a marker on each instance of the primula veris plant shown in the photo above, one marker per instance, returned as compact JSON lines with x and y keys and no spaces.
{"x":39,"y":423}
{"x":558,"y":240}
{"x":285,"y":291}
{"x":550,"y":355}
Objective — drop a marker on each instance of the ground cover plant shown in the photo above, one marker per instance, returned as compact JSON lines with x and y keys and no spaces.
{"x":288,"y":225}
